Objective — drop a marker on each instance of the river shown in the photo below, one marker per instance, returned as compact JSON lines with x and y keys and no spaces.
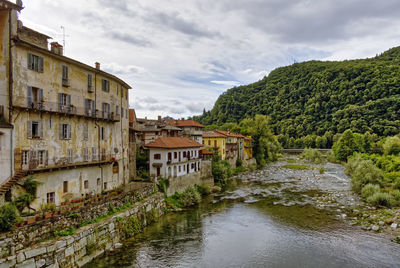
{"x":275,"y":217}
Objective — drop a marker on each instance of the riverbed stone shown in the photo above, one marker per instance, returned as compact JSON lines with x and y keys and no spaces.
{"x":393,"y":225}
{"x":375,"y":228}
{"x":117,"y":245}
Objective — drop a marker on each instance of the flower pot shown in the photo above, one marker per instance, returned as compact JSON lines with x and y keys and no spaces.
{"x":62,"y":203}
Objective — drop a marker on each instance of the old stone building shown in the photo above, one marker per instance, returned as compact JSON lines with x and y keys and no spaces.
{"x":65,"y":122}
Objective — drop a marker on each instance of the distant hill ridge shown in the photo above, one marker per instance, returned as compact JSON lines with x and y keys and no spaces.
{"x":318,"y":96}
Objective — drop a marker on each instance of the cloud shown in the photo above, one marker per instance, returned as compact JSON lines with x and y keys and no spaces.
{"x":176,"y":22}
{"x":126,"y":37}
{"x":181,"y":55}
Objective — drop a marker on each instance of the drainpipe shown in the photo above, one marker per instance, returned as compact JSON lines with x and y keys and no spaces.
{"x":10,"y":86}
{"x":122,"y":140}
{"x":98,"y":129}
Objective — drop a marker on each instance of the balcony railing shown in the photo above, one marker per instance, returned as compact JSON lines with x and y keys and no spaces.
{"x":55,"y":107}
{"x":34,"y":164}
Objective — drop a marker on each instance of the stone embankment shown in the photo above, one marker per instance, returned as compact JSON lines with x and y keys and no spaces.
{"x":87,"y":242}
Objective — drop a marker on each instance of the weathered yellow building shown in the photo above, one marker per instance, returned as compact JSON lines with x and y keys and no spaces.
{"x":70,"y":120}
{"x":216,"y":141}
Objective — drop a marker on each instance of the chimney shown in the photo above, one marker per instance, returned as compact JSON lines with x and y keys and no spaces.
{"x":56,"y":48}
{"x":159,"y":118}
{"x":97,"y":65}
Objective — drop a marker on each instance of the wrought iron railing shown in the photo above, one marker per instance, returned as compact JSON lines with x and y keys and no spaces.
{"x":66,"y":109}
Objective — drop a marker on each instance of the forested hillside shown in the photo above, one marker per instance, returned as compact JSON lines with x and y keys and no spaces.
{"x":314,"y":97}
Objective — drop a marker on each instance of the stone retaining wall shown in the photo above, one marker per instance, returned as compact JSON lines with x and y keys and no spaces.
{"x":30,"y":234}
{"x":88,"y":242}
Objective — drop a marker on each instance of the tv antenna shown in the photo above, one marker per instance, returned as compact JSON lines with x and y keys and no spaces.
{"x":63,"y":34}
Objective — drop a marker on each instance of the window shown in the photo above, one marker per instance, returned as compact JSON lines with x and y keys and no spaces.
{"x":25,"y":157}
{"x":184,"y":168}
{"x":64,"y":102}
{"x":86,"y":184}
{"x":102,"y":133}
{"x":35,"y":98}
{"x":157,"y":156}
{"x":117,"y":110}
{"x":106,"y":110}
{"x":169,"y":156}
{"x":70,"y":153}
{"x":115,"y":168}
{"x":51,"y":198}
{"x":103,"y":154}
{"x":89,"y":107}
{"x":85,"y":154}
{"x":105,"y":186}
{"x":94,"y":153}
{"x":98,"y":181}
{"x":65,"y":75}
{"x":65,"y":131}
{"x":179,"y":168}
{"x":209,"y":143}
{"x":122,"y":112}
{"x":215,"y":144}
{"x":105,"y":85}
{"x":35,"y":130}
{"x":35,"y":63}
{"x":175,"y":155}
{"x":85,"y":132}
{"x":42,"y":157}
{"x":89,"y":81}
{"x":65,"y":187}
{"x":184,"y":154}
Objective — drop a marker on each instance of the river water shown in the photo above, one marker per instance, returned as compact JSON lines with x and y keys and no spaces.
{"x":275,"y":217}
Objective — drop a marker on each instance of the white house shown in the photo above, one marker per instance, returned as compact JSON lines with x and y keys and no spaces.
{"x":174,"y":157}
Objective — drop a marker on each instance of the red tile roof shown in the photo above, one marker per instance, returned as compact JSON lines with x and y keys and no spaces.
{"x":173,"y":142}
{"x":206,"y":152}
{"x":230,"y":134}
{"x":213,"y":134}
{"x":184,"y":123}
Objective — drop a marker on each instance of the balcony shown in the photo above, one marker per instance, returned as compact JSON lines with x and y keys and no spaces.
{"x":65,"y":82}
{"x":34,"y":165}
{"x":66,"y":110}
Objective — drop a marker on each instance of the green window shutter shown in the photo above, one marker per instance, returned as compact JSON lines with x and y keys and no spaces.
{"x":29,"y":127}
{"x":40,"y":69}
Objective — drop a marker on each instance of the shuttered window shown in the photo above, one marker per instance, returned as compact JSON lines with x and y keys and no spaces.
{"x":105,"y":85}
{"x":89,"y":107}
{"x":85,"y":132}
{"x":65,"y":131}
{"x":89,"y":80}
{"x":35,"y":63}
{"x":35,"y":130}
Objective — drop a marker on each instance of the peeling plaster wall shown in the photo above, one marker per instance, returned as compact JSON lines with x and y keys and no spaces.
{"x":116,"y":140}
{"x":5,"y":148}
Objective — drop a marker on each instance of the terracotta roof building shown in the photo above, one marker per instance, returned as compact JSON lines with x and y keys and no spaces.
{"x":174,"y":157}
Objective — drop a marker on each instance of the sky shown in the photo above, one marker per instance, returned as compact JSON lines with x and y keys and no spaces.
{"x":179,"y":56}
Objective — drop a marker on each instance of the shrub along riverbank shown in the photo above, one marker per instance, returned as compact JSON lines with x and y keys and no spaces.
{"x":374,"y":167}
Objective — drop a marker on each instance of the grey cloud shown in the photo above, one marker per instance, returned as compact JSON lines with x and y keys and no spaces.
{"x":195,"y":108}
{"x":312,"y":20}
{"x":128,"y":38}
{"x":177,"y":23}
{"x":118,"y":5}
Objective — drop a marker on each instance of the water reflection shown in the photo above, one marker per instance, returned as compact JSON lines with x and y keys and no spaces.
{"x":278,"y":228}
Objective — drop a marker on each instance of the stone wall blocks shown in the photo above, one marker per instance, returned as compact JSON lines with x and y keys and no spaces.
{"x":61,"y":244}
{"x":35,"y":252}
{"x":51,"y":248}
{"x":70,"y":241}
{"x":27,"y":264}
{"x":69,"y":251}
{"x":20,"y":257}
{"x":40,"y":263}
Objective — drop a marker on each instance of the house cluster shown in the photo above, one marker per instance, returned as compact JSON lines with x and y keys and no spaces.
{"x":69,"y":124}
{"x":177,"y":147}
{"x":229,"y":146}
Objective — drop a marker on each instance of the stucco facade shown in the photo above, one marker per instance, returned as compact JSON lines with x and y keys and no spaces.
{"x":215,"y":141}
{"x":70,"y":120}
